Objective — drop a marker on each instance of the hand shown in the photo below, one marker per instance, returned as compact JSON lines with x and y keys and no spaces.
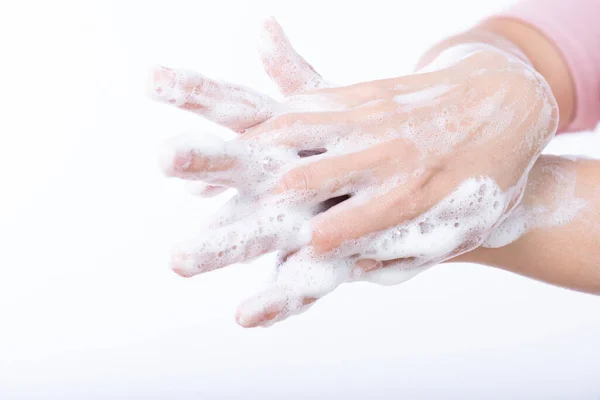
{"x":432,"y":162}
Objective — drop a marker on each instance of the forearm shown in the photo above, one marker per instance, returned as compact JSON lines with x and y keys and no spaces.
{"x":564,"y":253}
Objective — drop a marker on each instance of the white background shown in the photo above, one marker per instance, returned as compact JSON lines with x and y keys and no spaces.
{"x":88,"y":308}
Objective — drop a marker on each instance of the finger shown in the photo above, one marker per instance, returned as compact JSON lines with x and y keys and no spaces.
{"x":271,"y":306}
{"x":246,"y":239}
{"x":340,"y":175}
{"x":241,"y":207}
{"x":232,"y":106}
{"x":354,"y":222}
{"x":290,"y":72}
{"x":299,"y":281}
{"x":303,"y":130}
{"x":435,"y":222}
{"x":236,"y":209}
{"x":408,"y":89}
{"x":459,"y":222}
{"x":202,"y":189}
{"x":235,"y":163}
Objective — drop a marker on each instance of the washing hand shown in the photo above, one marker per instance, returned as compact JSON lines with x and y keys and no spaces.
{"x":374,"y":181}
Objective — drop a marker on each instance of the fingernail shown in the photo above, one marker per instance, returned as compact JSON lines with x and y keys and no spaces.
{"x":363,"y":266}
{"x":172,"y":161}
{"x":155,"y":83}
{"x":269,"y":20}
{"x":199,"y":188}
{"x":254,"y":321}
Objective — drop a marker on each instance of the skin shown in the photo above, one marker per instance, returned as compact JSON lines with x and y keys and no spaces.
{"x":546,"y":59}
{"x":566,"y":255}
{"x":523,"y":256}
{"x":563,"y":254}
{"x":467,"y":118}
{"x":295,"y":77}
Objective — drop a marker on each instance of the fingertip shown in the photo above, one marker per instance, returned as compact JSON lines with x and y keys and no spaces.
{"x":182,"y":273}
{"x":271,"y":38}
{"x":262,"y":309}
{"x":172,"y":162}
{"x":271,"y":24}
{"x":265,"y":43}
{"x":244,"y":320}
{"x":184,"y":152}
{"x":160,"y":84}
{"x":182,"y":263}
{"x":152,"y":91}
{"x":165,"y":160}
{"x":247,"y":319}
{"x":240,"y":320}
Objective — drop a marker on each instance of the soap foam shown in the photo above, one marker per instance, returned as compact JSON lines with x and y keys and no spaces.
{"x":227,"y":104}
{"x":278,"y":55}
{"x":273,"y":227}
{"x":562,"y":204}
{"x":457,"y":224}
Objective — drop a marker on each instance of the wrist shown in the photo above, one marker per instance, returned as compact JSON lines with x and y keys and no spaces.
{"x":520,"y":40}
{"x":458,"y":47}
{"x":545,"y":58}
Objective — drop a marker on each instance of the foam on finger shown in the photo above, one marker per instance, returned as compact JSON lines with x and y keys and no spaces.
{"x":285,"y":66}
{"x":232,"y":106}
{"x":295,"y":285}
{"x":246,"y":166}
{"x":268,"y":230}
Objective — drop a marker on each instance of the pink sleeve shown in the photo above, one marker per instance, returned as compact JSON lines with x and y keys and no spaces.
{"x":574,"y":27}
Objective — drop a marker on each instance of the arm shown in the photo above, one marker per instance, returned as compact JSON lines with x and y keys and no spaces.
{"x":560,"y":214}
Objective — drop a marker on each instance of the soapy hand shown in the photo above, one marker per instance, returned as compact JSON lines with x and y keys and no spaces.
{"x":422,"y":167}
